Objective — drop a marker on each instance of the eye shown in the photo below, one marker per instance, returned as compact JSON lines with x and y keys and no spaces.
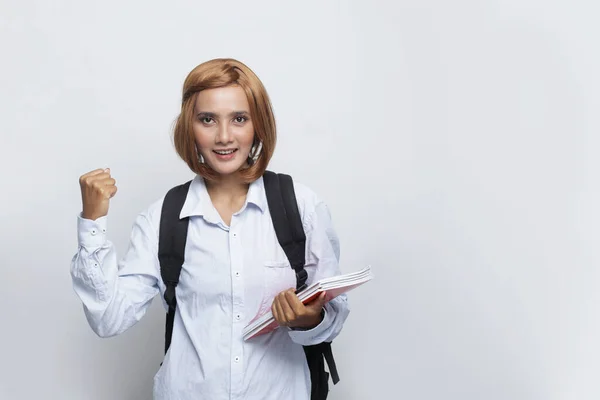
{"x":240,"y":119}
{"x":206,"y":120}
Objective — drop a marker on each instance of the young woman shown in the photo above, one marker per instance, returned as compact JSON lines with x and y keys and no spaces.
{"x":234,"y":266}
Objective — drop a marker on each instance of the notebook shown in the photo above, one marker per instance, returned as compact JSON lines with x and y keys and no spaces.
{"x":333,"y":286}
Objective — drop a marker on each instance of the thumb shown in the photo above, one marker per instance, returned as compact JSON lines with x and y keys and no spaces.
{"x":321,"y":300}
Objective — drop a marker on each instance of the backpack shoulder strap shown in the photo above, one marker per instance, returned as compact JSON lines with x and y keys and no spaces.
{"x":171,"y":249}
{"x":287,"y":222}
{"x":283,"y":206}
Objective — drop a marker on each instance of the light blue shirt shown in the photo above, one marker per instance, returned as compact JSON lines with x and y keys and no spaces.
{"x":231,"y":274}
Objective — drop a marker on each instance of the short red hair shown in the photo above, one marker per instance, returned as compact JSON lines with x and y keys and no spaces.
{"x":219,"y":73}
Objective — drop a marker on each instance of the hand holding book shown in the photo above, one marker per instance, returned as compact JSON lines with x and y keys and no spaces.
{"x":288,"y":310}
{"x":318,"y":293}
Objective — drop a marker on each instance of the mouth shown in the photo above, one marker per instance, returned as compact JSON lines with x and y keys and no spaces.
{"x":225,"y":152}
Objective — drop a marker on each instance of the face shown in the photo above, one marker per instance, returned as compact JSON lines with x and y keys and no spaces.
{"x":223,"y":129}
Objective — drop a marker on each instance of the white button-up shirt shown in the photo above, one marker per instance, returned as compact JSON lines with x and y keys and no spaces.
{"x":231,"y":274}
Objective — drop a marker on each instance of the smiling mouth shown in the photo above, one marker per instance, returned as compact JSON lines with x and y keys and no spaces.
{"x":225,"y":152}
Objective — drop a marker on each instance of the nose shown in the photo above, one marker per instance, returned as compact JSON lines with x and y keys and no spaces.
{"x":223,"y":134}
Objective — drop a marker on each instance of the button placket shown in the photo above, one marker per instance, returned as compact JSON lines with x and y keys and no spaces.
{"x":237,"y":284}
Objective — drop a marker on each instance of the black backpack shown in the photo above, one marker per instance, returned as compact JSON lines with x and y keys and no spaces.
{"x":287,"y":222}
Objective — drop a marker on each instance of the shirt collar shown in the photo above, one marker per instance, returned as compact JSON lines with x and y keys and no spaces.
{"x":198,"y":203}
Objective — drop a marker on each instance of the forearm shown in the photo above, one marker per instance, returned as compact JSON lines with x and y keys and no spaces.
{"x":113,"y":300}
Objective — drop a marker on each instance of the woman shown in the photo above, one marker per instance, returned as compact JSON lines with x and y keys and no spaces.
{"x":234,"y":266}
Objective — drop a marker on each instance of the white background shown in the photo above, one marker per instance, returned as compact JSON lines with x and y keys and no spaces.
{"x":454,"y":141}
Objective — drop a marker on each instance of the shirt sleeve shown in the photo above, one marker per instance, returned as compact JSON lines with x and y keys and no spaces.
{"x":322,"y":257}
{"x":115,"y":294}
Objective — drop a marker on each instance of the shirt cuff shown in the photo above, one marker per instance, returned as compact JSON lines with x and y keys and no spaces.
{"x":312,"y":336}
{"x":91,"y":233}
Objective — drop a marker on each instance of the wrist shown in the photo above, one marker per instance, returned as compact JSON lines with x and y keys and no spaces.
{"x":90,"y":216}
{"x":314,"y":322}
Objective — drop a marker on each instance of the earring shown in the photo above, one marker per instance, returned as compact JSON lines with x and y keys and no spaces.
{"x":255,"y":151}
{"x":200,"y":157}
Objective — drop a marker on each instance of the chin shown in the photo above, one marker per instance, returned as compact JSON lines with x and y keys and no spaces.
{"x":225,"y":170}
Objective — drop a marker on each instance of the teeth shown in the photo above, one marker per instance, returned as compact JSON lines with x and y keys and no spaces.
{"x":224,"y":152}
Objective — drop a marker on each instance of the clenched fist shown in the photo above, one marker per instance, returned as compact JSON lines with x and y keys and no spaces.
{"x":97,"y":188}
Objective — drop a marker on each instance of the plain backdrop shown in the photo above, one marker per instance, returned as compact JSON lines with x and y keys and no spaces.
{"x":455,"y":142}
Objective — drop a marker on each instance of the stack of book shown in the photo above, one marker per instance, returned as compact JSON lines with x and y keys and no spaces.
{"x":333,"y":287}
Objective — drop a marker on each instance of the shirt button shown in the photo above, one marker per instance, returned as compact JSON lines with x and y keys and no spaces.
{"x":237,"y":359}
{"x":235,"y":235}
{"x":93,"y":231}
{"x":237,"y":274}
{"x":238,"y":317}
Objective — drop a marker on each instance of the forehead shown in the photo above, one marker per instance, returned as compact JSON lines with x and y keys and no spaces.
{"x":223,"y":99}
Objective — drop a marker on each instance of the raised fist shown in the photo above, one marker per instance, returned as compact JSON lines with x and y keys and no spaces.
{"x":97,"y":188}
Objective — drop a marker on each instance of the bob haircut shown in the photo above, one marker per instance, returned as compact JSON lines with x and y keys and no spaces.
{"x":219,"y":73}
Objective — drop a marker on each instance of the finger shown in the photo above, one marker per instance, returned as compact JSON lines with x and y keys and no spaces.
{"x":108,"y":182}
{"x":318,"y":303}
{"x":100,"y":177}
{"x":98,"y":173}
{"x":294,"y":302}
{"x":323,"y":299}
{"x":282,"y":317}
{"x":93,"y":179}
{"x":102,"y":184}
{"x":94,"y":172}
{"x":112,"y":191}
{"x":289,"y":313}
{"x":275,"y":312}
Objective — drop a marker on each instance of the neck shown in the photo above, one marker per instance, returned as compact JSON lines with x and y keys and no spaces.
{"x":229,"y":187}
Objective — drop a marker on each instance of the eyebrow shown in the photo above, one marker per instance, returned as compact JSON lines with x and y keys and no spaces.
{"x":213,"y":115}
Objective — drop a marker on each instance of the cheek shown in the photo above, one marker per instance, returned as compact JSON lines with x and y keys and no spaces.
{"x":202,"y":136}
{"x":246,"y":137}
